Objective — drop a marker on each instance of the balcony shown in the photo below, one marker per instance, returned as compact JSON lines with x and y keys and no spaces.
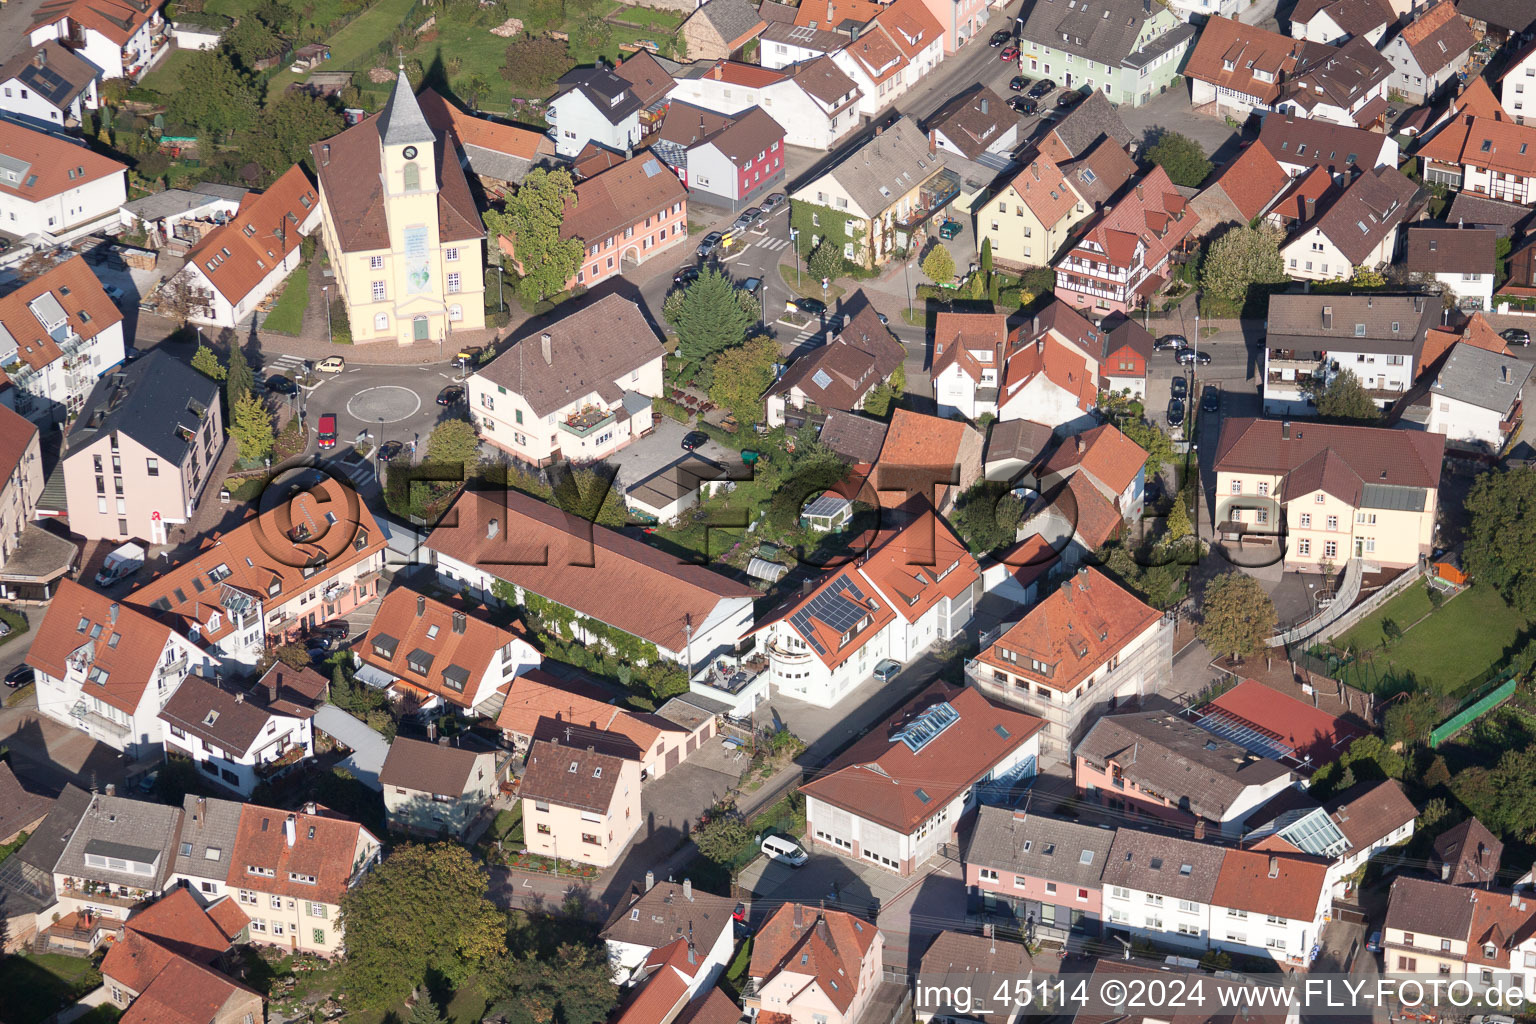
{"x":779,"y":652}
{"x":588,"y":421}
{"x":932,"y":196}
{"x":105,"y":892}
{"x":279,"y":764}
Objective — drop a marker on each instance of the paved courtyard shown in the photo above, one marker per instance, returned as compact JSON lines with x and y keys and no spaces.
{"x":1171,"y":111}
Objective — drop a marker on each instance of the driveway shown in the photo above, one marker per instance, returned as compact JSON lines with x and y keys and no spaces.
{"x":1171,"y":111}
{"x":47,"y":754}
{"x":825,"y":878}
{"x":661,"y":448}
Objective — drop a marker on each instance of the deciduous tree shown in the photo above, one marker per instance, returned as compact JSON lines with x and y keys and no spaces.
{"x":534,"y":62}
{"x":570,"y":984}
{"x":1238,"y":616}
{"x":1343,"y":398}
{"x":251,"y":427}
{"x":424,"y":909}
{"x":1240,"y":259}
{"x":826,"y":260}
{"x":591,"y":494}
{"x":1182,"y":157}
{"x":214,"y":96}
{"x":987,"y":516}
{"x":939,"y":265}
{"x":1500,"y":541}
{"x":453,"y":443}
{"x":287,"y":128}
{"x":741,"y":375}
{"x":533,"y":218}
{"x":724,"y":837}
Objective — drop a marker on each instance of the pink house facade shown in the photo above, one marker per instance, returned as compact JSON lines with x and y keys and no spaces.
{"x":1043,"y":871}
{"x":962,"y":20}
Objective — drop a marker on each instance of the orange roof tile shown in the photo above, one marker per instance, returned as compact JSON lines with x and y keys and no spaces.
{"x":238,"y":256}
{"x":541,"y":706}
{"x":964,"y":337}
{"x":1485,"y":142}
{"x":752,"y":76}
{"x":877,"y":52}
{"x":1264,"y":883}
{"x":1247,"y":48}
{"x":1252,"y":181}
{"x":1114,"y":459}
{"x":75,"y":286}
{"x":186,"y":993}
{"x":443,"y":116}
{"x":912,"y":27}
{"x":456,"y":639}
{"x":917,"y":440}
{"x":115,"y":639}
{"x":52,"y":164}
{"x":1078,"y":627}
{"x":324,"y":848}
{"x":829,"y":14}
{"x":118,"y":20}
{"x":1062,"y":366}
{"x":1151,"y":212}
{"x":828,"y":945}
{"x":1500,"y":922}
{"x":1043,"y":188}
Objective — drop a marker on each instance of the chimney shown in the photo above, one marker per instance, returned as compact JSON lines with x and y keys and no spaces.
{"x":688,"y":889}
{"x":421,"y":605}
{"x":1080,"y":444}
{"x":1514,"y":899}
{"x":112,"y":613}
{"x":492,"y":527}
{"x":799,"y":918}
{"x":1274,"y":866}
{"x":202,"y":809}
{"x":984,"y":105}
{"x":460,"y":623}
{"x":1199,"y":829}
{"x":110,"y":789}
{"x":310,"y":807}
{"x":325,"y":154}
{"x":545,"y":344}
{"x":1285,"y":430}
{"x":650,"y":880}
{"x":822,"y":931}
{"x":239,"y":698}
{"x":42,"y":58}
{"x":290,"y":829}
{"x":273,"y":679}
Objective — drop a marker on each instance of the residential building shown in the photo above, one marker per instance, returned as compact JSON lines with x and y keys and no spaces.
{"x":21,"y":811}
{"x":839,"y":375}
{"x":1476,"y":399}
{"x":593,"y":105}
{"x":878,"y":195}
{"x":1429,"y":51}
{"x":1314,"y":338}
{"x":234,"y":270}
{"x":1242,"y":191}
{"x":438,"y":790}
{"x":154,"y":430}
{"x":721,"y":28}
{"x":1130,"y":51}
{"x":401,"y":226}
{"x":1121,"y":258}
{"x":814,"y":103}
{"x":1051,"y":373}
{"x":1357,"y":229}
{"x":505,"y":546}
{"x":958,"y":955}
{"x":974,"y":123}
{"x":808,"y":964}
{"x":580,"y":390}
{"x":730,"y":159}
{"x":1066,"y":527}
{"x":1371,"y":817}
{"x":1517,"y":85}
{"x":364,"y":747}
{"x":1334,"y":21}
{"x":1266,"y":904}
{"x":578,"y":804}
{"x":177,"y":218}
{"x":1039,"y":869}
{"x":1509,"y":17}
{"x":124,"y":38}
{"x":1092,"y":122}
{"x":917,"y":585}
{"x":1468,"y":854}
{"x":117,"y":858}
{"x":32,"y":560}
{"x":927,"y":458}
{"x":1161,"y":766}
{"x":898,"y":794}
{"x":59,"y":332}
{"x":27,"y":881}
{"x":1427,"y":927}
{"x":823,"y":107}
{"x":1299,"y":144}
{"x":436,"y":653}
{"x":1087,"y":647}
{"x":500,"y":155}
{"x":1460,"y":260}
{"x":1501,"y":945}
{"x":1483,"y":155}
{"x":56,"y":187}
{"x":1161,"y":888}
{"x":238,"y":739}
{"x":314,"y":558}
{"x":623,"y":216}
{"x":48,"y":86}
{"x":968,"y":361}
{"x":1104,"y":457}
{"x":783,"y":44}
{"x":1015,"y":448}
{"x":854,"y":437}
{"x":1347,"y":87}
{"x":1124,"y":356}
{"x":647,"y":920}
{"x":1506,"y":220}
{"x":902,"y":43}
{"x":1337,"y":492}
{"x":108,"y":669}
{"x":1238,"y":69}
{"x":1034,"y":214}
{"x":163,"y":965}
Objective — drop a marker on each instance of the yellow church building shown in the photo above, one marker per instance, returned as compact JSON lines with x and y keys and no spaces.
{"x":401,"y":227}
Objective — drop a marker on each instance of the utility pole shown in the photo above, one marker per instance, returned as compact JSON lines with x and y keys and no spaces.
{"x":325,"y":290}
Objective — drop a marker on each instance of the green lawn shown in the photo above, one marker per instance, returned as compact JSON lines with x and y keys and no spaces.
{"x":287,"y":316}
{"x":36,"y":986}
{"x":166,"y":76}
{"x":356,"y":47}
{"x":1453,"y":646}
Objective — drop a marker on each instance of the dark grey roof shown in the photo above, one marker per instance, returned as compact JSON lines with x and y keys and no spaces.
{"x":1024,"y":440}
{"x":1085,"y":30}
{"x":1432,"y":249}
{"x":1174,"y":757}
{"x":611,"y":95}
{"x":51,"y":71}
{"x":1308,"y":322}
{"x":112,"y":822}
{"x":1181,"y":35}
{"x":1488,"y":380}
{"x":1468,"y":853}
{"x":218,"y":717}
{"x":897,"y":160}
{"x":402,"y":121}
{"x":665,"y":913}
{"x":677,"y":480}
{"x":1177,"y":868}
{"x":731,"y":18}
{"x":591,"y":349}
{"x":1304,"y":140}
{"x":1369,"y":211}
{"x":20,"y":808}
{"x":853,"y":436}
{"x":1429,"y":908}
{"x":234,"y":193}
{"x":1473,"y":211}
{"x":1053,"y":849}
{"x":824,"y":40}
{"x":1513,"y":15}
{"x":45,"y":846}
{"x":208,"y":830}
{"x":168,"y":203}
{"x":1095,"y":118}
{"x":155,"y":400}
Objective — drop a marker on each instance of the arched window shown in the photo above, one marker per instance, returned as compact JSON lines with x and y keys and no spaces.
{"x":412,"y":178}
{"x":381,"y":321}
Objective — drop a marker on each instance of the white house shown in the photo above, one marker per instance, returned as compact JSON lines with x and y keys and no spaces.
{"x":1160,"y":888}
{"x":898,"y":794}
{"x":1358,"y":229}
{"x":648,"y":919}
{"x":235,"y":738}
{"x":1517,"y":88}
{"x":49,"y":86}
{"x":1348,"y":830}
{"x":1349,"y":87}
{"x":919,"y":584}
{"x":593,"y":105}
{"x":1488,"y":156}
{"x":1429,"y":51}
{"x":59,"y":332}
{"x":784,"y":43}
{"x":815,"y":103}
{"x":235,"y":268}
{"x":1048,"y":381}
{"x":969,"y":352}
{"x":1334,"y":21}
{"x":1460,"y":260}
{"x":108,"y":670}
{"x":124,"y":38}
{"x":190,"y":35}
{"x":56,"y":188}
{"x":1266,"y":904}
{"x":1378,"y":338}
{"x":1476,"y":398}
{"x":893,"y":53}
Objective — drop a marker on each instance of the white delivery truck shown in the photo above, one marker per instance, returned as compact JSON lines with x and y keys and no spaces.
{"x":120,"y":564}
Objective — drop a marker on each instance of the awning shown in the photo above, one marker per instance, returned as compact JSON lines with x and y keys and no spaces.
{"x":1371,"y":112}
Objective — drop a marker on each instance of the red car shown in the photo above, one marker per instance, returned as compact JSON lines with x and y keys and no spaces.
{"x":1009,"y":53}
{"x":328,"y":430}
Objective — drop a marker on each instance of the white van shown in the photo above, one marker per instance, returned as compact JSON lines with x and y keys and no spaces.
{"x":786,"y":851}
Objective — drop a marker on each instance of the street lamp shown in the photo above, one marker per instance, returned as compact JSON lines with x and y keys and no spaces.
{"x":325,"y":290}
{"x":794,"y":237}
{"x":906,"y":275}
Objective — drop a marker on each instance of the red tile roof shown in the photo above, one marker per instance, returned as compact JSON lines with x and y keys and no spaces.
{"x":541,"y":706}
{"x":1261,"y":883}
{"x":658,"y":998}
{"x":1112,"y":458}
{"x":1074,"y":630}
{"x":1374,"y":455}
{"x":620,"y":197}
{"x":53,"y":165}
{"x":187,"y":993}
{"x":1062,"y":366}
{"x":1485,"y":142}
{"x":882,"y":779}
{"x":829,"y":14}
{"x":1247,"y":48}
{"x":918,"y":441}
{"x":512,"y":139}
{"x":828,"y":945}
{"x":75,"y":286}
{"x":752,"y":76}
{"x":911,"y":26}
{"x":1044,"y":188}
{"x":118,"y":20}
{"x":1152,"y":212}
{"x":238,"y":256}
{"x":127,"y":648}
{"x":173,"y":927}
{"x":1438,"y":37}
{"x":327,"y":849}
{"x":1500,"y":920}
{"x":449,"y":632}
{"x":16,"y":436}
{"x":1252,"y":181}
{"x":1305,"y":730}
{"x":960,"y":337}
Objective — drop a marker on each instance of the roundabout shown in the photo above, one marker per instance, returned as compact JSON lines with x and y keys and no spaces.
{"x":387,"y":403}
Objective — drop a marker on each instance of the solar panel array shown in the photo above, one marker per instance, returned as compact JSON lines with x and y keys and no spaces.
{"x":925,"y":728}
{"x":54,"y":87}
{"x":1252,"y":739}
{"x":839,"y":607}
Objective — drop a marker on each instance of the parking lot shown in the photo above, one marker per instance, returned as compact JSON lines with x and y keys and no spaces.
{"x":661,"y":448}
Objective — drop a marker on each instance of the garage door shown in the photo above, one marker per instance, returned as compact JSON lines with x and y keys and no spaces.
{"x":693,"y":744}
{"x":673,"y":756}
{"x":709,"y":729}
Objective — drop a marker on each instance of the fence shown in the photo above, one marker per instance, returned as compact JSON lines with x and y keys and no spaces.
{"x":1471,"y":713}
{"x":1352,"y":616}
{"x":1354,"y":572}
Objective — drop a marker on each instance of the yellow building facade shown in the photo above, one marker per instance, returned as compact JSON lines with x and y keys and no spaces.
{"x":401,"y":227}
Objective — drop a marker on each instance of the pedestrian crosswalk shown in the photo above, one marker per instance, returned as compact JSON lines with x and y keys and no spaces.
{"x":771,"y":244}
{"x":283,"y":364}
{"x":361,"y":473}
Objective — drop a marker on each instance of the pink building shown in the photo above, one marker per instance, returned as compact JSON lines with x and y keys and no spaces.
{"x":962,"y":20}
{"x":1122,"y":257}
{"x":1044,"y":871}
